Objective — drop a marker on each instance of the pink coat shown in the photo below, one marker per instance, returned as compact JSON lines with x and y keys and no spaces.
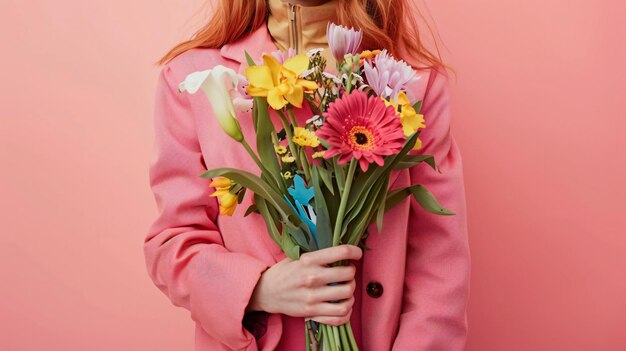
{"x":210,"y":266}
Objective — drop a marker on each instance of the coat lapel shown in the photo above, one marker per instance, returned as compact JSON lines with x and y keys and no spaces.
{"x":256,"y":43}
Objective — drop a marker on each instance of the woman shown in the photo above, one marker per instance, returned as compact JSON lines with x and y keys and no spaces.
{"x":409,"y":292}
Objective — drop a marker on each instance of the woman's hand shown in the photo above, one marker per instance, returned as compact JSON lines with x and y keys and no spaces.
{"x":300,"y":288}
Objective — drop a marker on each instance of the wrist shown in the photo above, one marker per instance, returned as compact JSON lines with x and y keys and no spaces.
{"x":255,"y":303}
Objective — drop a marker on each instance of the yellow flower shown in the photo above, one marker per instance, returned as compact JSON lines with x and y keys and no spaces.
{"x":221,"y":182}
{"x":287,"y":175}
{"x":410,"y":119}
{"x":280,"y":149}
{"x":288,"y":159}
{"x":305,"y":137}
{"x":280,"y":84}
{"x":319,"y":154}
{"x":227,"y":200}
{"x":228,"y":203}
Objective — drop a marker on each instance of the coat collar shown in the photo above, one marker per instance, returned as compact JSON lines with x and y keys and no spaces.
{"x":256,"y":44}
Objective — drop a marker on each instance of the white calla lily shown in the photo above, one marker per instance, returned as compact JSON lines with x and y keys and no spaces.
{"x":217,"y":83}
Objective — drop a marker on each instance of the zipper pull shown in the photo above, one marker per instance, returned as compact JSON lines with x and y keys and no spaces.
{"x":292,"y":12}
{"x":293,"y":27}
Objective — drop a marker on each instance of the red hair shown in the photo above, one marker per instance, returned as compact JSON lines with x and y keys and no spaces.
{"x":385,"y":24}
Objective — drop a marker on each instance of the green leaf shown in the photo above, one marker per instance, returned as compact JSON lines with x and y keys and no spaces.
{"x":394,"y":197}
{"x":270,"y":221}
{"x":418,"y":106}
{"x":289,"y":246}
{"x":326,"y":176}
{"x":366,"y":180}
{"x":264,"y":143}
{"x":340,"y":176}
{"x":254,"y":183}
{"x":412,"y":160}
{"x":323,"y":226}
{"x":300,"y":237}
{"x":332,"y":203}
{"x":367,"y":197}
{"x":324,"y":143}
{"x":252,"y":208}
{"x":363,"y":217}
{"x":242,"y":193}
{"x":428,"y":201}
{"x":423,"y":197}
{"x":249,"y":59}
{"x":235,"y":189}
{"x":382,"y":193}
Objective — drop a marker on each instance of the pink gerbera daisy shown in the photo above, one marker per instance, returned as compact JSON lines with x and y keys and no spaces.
{"x":363,"y":128}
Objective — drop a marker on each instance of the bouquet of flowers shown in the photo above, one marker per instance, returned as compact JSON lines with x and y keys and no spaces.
{"x":321,"y":183}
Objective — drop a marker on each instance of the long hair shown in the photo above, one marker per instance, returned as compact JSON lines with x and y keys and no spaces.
{"x":390,"y":24}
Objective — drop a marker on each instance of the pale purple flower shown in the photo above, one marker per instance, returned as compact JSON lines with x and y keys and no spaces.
{"x":342,"y":40}
{"x":242,"y":82}
{"x":242,"y":104}
{"x":280,"y":56}
{"x":283,"y":56}
{"x":241,"y":100}
{"x":388,"y":76}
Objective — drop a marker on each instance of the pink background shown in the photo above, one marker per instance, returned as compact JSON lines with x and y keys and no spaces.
{"x":539,"y":109}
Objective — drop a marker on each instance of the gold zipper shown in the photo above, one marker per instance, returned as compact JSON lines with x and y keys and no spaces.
{"x":293,"y":24}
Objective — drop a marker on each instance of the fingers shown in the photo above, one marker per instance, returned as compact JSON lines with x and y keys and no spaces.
{"x":335,"y":292}
{"x":334,"y":320}
{"x":327,"y":275}
{"x":332,"y":254}
{"x":330,"y":309}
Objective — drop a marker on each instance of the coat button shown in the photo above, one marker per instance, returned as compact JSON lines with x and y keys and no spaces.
{"x":374,"y":289}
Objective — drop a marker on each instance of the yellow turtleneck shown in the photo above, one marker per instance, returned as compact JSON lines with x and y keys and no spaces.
{"x":302,"y":27}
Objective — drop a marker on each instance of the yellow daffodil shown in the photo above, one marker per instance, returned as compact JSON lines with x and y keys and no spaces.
{"x":280,"y":84}
{"x":319,"y":154}
{"x":280,"y":149}
{"x":227,"y":200}
{"x":410,"y":119}
{"x":305,"y":137}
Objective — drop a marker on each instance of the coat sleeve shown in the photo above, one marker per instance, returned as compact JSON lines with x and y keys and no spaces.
{"x":184,"y":251}
{"x":433,"y":315}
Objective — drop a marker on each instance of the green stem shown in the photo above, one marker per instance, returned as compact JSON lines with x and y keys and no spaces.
{"x":292,"y":115}
{"x":344,"y":201}
{"x":336,"y":337}
{"x":328,"y":344}
{"x":303,"y":161}
{"x":345,"y":342}
{"x":253,"y":155}
{"x":289,"y":133}
{"x":351,"y":336}
{"x":339,"y":173}
{"x":305,"y":165}
{"x":307,"y":337}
